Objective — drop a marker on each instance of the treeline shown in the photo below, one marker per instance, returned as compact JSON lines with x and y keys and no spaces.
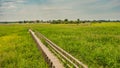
{"x":65,"y":21}
{"x":8,"y":22}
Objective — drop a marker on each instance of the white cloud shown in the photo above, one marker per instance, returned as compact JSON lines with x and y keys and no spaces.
{"x":106,"y":6}
{"x":60,"y":9}
{"x":10,"y":4}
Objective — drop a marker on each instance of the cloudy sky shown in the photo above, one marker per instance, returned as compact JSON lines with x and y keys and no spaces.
{"x":14,"y":10}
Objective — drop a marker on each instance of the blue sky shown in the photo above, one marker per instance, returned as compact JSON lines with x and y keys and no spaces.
{"x":15,"y":10}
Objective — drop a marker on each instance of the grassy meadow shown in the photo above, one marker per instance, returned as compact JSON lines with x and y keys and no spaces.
{"x":17,"y":48}
{"x":97,"y":45}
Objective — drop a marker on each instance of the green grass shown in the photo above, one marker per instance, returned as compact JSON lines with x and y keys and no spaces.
{"x":97,"y":45}
{"x":17,"y":48}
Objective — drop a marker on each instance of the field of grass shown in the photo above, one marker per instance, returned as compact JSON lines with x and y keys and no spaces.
{"x":17,"y":48}
{"x":97,"y":45}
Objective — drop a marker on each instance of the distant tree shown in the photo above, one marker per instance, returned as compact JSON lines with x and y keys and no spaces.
{"x":66,"y":21}
{"x":78,"y":21}
{"x":20,"y":22}
{"x":71,"y":22}
{"x":49,"y":21}
{"x":54,"y":22}
{"x":30,"y":21}
{"x":83,"y":21}
{"x":37,"y":21}
{"x":59,"y":21}
{"x":25,"y":21}
{"x":94,"y":21}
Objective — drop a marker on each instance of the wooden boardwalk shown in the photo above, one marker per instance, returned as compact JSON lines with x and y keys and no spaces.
{"x":68,"y":60}
{"x":52,"y":60}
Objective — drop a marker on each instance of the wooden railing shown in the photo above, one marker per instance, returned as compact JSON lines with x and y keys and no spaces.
{"x":68,"y":60}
